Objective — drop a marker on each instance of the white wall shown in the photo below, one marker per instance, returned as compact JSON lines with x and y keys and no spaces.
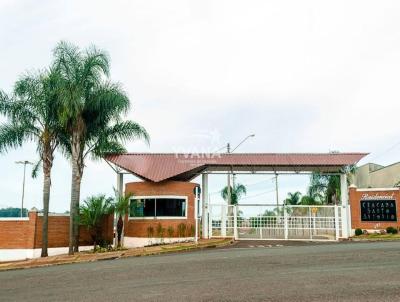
{"x":131,"y":242}
{"x":22,"y":254}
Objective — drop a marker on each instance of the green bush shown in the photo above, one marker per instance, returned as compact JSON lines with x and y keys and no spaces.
{"x":190,"y":229}
{"x":150,"y":231}
{"x":181,"y":230}
{"x":170,"y":231}
{"x":391,"y":230}
{"x":160,"y":230}
{"x":358,"y":232}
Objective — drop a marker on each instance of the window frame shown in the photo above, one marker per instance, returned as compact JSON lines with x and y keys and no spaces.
{"x":155,"y":210}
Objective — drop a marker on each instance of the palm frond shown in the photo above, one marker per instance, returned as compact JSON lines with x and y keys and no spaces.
{"x":121,"y":203}
{"x":93,"y":210}
{"x":36,"y":168}
{"x":13,"y":136}
{"x":125,"y":131}
{"x":105,"y":147}
{"x":237,"y":191}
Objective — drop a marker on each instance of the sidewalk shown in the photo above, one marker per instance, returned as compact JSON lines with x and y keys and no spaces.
{"x":134,"y":252}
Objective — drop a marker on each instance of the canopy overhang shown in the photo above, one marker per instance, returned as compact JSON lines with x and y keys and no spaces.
{"x":158,"y":167}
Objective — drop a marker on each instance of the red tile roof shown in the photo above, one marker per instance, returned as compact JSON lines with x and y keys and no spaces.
{"x":162,"y":166}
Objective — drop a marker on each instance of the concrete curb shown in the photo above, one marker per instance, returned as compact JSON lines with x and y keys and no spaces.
{"x":91,"y":257}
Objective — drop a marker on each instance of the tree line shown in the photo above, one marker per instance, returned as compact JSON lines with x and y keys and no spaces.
{"x":71,"y":106}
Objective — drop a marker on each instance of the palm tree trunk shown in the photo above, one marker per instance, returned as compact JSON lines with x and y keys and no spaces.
{"x":77,"y":198}
{"x":47,"y":160}
{"x":75,"y":195}
{"x":46,"y":200}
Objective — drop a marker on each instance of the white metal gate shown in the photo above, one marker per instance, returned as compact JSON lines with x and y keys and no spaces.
{"x":269,"y":222}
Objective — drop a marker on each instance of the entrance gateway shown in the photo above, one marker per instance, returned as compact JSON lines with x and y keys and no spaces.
{"x":244,"y":221}
{"x":258,"y":222}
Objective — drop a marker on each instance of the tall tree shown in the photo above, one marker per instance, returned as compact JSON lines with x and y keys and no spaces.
{"x":293,"y":198}
{"x":92,"y":115}
{"x":32,"y":117}
{"x":121,"y":208}
{"x":325,"y":188}
{"x":237,"y":192}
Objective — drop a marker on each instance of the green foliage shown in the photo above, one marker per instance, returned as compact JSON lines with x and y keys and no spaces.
{"x":181,"y":230}
{"x":293,"y":198}
{"x":31,"y":112}
{"x":13,"y":212}
{"x":150,"y":231}
{"x":121,"y":203}
{"x":121,"y":208}
{"x":170,"y":231}
{"x":92,"y":212}
{"x":325,"y":189}
{"x":237,"y":191}
{"x":391,"y":230}
{"x":358,"y":232}
{"x":92,"y":106}
{"x":160,"y":230}
{"x":308,"y":200}
{"x":191,"y":230}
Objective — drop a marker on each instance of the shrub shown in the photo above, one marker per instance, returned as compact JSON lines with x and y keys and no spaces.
{"x":391,"y":230}
{"x":160,"y":230}
{"x":358,"y":232}
{"x":181,"y":230}
{"x":170,"y":231}
{"x":191,"y":230}
{"x":150,"y":231}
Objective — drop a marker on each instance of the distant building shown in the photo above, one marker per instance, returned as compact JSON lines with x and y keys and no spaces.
{"x":376,"y":176}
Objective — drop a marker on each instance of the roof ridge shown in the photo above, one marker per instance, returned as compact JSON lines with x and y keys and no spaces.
{"x":243,"y":153}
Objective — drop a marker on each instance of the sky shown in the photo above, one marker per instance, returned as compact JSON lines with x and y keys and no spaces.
{"x":303,"y":76}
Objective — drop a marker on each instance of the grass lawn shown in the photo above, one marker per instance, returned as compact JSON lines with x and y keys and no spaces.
{"x":377,"y":237}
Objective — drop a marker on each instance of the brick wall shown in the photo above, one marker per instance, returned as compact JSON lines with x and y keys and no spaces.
{"x":27,"y":234}
{"x":138,"y":227}
{"x":355,"y":197}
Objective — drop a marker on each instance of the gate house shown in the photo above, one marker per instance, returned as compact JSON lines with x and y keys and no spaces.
{"x":161,"y":172}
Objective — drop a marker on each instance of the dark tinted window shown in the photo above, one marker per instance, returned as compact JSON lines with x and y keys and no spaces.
{"x":170,"y":207}
{"x":142,"y":207}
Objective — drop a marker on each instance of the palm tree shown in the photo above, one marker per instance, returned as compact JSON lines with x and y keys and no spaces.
{"x":326,"y":188}
{"x":92,"y":213}
{"x":92,"y":108}
{"x":307,"y":200}
{"x":237,"y":191}
{"x":32,"y":117}
{"x":293,"y":198}
{"x":121,"y":208}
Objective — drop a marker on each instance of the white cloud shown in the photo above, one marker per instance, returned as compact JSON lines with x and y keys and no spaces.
{"x":303,"y":76}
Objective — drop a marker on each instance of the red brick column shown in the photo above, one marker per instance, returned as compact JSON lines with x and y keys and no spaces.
{"x":31,"y":232}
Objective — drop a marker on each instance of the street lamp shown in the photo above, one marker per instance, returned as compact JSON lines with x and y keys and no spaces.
{"x":25,"y":162}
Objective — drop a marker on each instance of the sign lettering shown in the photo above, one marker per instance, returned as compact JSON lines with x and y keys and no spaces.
{"x":378,"y":210}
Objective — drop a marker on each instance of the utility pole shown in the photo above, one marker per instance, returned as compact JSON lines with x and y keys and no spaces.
{"x":228,"y":150}
{"x":25,"y":162}
{"x":276,"y":191}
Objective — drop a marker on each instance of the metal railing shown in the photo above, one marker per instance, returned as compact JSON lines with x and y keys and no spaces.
{"x":266,"y":221}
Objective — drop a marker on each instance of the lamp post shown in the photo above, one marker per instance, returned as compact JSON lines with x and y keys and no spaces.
{"x":25,"y":162}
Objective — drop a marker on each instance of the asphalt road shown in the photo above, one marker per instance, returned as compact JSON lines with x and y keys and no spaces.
{"x":306,"y":272}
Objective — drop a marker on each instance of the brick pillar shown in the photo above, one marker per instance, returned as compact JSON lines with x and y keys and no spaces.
{"x":354,"y":214}
{"x":33,"y":217}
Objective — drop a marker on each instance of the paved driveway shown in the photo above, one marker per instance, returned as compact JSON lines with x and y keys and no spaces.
{"x":307,"y":272}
